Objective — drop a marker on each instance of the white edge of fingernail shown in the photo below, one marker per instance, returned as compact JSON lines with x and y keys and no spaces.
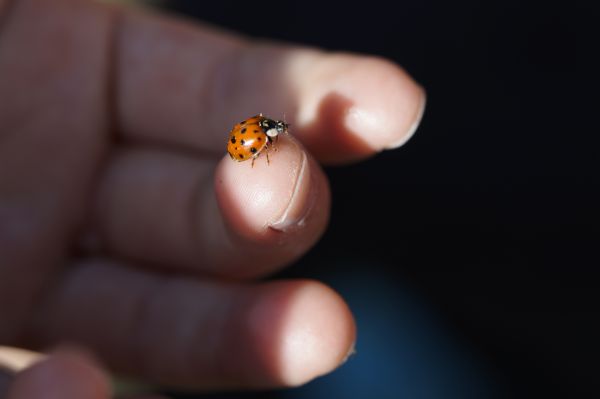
{"x":351,"y":352}
{"x":284,"y":222}
{"x":413,"y":128}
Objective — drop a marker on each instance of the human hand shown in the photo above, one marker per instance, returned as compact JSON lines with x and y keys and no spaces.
{"x":122,"y":225}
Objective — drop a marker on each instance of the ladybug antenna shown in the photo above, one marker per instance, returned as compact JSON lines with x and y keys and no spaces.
{"x":285,"y":122}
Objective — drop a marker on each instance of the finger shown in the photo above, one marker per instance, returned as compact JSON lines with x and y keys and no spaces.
{"x":186,"y":85}
{"x":4,"y":5}
{"x":238,"y":220}
{"x":201,"y":334}
{"x":64,"y":375}
{"x":52,"y":55}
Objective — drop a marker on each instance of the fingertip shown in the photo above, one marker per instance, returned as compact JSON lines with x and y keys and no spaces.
{"x":273,"y":212}
{"x":351,"y":107}
{"x":388,"y":102}
{"x":275,"y":196}
{"x":320,"y":334}
{"x":412,"y":129}
{"x":309,"y":327}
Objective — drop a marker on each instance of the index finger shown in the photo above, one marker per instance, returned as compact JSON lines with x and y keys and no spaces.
{"x":185,"y":85}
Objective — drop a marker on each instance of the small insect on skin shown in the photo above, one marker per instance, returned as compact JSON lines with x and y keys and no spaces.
{"x":249,"y":138}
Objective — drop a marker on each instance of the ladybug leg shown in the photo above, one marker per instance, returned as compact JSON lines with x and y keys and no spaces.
{"x":267,"y":158}
{"x":253,"y":158}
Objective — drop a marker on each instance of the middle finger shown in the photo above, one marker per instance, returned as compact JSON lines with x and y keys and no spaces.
{"x":232,"y":219}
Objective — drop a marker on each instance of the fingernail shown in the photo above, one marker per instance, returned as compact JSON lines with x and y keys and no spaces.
{"x":351,"y":352}
{"x":414,"y":126}
{"x":301,"y":201}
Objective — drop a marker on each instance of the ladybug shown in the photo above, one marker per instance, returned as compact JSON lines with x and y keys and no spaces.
{"x":250,"y":137}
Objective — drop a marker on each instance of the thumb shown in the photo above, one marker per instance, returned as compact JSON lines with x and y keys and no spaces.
{"x":67,"y":374}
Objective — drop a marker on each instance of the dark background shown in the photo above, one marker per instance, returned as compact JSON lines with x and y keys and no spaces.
{"x":470,"y":256}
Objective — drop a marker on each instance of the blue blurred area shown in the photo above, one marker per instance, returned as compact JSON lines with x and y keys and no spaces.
{"x":404,"y":349}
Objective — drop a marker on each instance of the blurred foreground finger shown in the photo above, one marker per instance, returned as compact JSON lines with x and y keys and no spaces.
{"x":200,"y":334}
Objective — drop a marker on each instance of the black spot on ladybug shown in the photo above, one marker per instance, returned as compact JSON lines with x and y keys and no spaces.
{"x":244,"y":130}
{"x":233,"y":140}
{"x":242,"y":142}
{"x":255,"y":131}
{"x":242,"y":122}
{"x":241,"y":156}
{"x":258,"y":139}
{"x":252,"y":150}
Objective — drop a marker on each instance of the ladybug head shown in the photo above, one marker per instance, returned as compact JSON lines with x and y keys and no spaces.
{"x":274,"y":128}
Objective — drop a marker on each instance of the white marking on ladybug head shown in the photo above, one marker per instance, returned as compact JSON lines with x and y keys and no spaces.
{"x":273,"y":132}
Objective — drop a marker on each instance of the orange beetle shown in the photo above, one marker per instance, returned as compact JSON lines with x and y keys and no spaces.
{"x":249,"y":138}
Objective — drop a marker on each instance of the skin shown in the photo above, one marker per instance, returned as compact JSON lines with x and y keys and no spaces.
{"x":126,"y":228}
{"x":65,"y":374}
